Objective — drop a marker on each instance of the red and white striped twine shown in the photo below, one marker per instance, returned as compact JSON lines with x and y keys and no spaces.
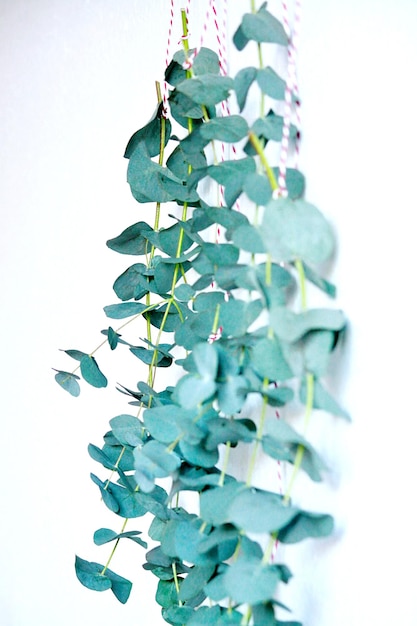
{"x":290,"y":91}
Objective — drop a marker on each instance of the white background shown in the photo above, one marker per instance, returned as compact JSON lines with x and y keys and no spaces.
{"x":77,"y":78}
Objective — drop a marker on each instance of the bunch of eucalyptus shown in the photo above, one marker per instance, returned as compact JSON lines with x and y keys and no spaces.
{"x":230,"y":312}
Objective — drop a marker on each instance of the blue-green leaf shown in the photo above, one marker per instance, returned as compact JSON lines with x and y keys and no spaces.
{"x":127,"y":429}
{"x":68,"y":381}
{"x":91,"y":372}
{"x":296,"y":230}
{"x":268,"y":360}
{"x":242,"y":83}
{"x":322,"y":400}
{"x":290,"y":326}
{"x":206,"y":90}
{"x":126,"y":309}
{"x":89,"y":574}
{"x":154,"y":460}
{"x":229,"y":129}
{"x":263,"y":27}
{"x":270,"y":83}
{"x":131,"y":240}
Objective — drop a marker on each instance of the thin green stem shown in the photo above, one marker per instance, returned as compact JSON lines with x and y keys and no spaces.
{"x":260,"y":152}
{"x":103,"y":571}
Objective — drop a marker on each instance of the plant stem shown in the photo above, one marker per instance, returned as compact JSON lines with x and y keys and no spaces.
{"x":103,"y":571}
{"x":260,"y":152}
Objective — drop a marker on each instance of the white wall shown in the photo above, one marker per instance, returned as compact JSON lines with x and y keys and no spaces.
{"x":76,"y":80}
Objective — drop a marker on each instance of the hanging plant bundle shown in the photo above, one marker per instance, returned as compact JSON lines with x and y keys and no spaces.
{"x":230,"y":312}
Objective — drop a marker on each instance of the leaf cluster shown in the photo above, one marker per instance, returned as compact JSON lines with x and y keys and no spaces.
{"x":237,"y":333}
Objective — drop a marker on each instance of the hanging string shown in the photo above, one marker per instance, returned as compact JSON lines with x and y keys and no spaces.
{"x":291,"y":91}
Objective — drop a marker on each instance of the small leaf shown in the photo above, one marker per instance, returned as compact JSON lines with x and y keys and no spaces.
{"x":150,"y":134}
{"x":89,"y":574}
{"x":271,"y":84}
{"x":127,"y":429}
{"x":242,"y":83}
{"x":248,"y":580}
{"x":207,"y":90}
{"x":263,"y":27}
{"x":229,"y":129}
{"x":258,"y":189}
{"x":290,"y":326}
{"x":152,"y":461}
{"x":91,"y":372}
{"x":268,"y":360}
{"x":131,"y":240}
{"x":322,"y":400}
{"x":112,"y":338}
{"x":126,"y":309}
{"x":68,"y":381}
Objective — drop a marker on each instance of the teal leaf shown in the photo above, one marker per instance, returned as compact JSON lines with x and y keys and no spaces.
{"x":198,"y":454}
{"x":75,"y":354}
{"x":248,"y":580}
{"x":206,"y":62}
{"x":229,"y":129}
{"x":215,"y":503}
{"x":263,"y":27}
{"x":182,"y":109}
{"x":222,"y":430}
{"x":239,"y":38}
{"x":236,"y":316}
{"x":121,"y":587}
{"x":318,"y":347}
{"x":150,"y":182}
{"x":127,"y":429}
{"x":271,"y":84}
{"x":242,"y":83}
{"x":91,"y":372}
{"x":68,"y":381}
{"x":175,"y":614}
{"x":131,"y":240}
{"x":89,"y":574}
{"x":268,"y":360}
{"x":184,"y":292}
{"x":180,"y":161}
{"x":105,"y":535}
{"x":169,"y":238}
{"x":166,"y":593}
{"x":319,"y":281}
{"x":295,"y":183}
{"x":281,"y":442}
{"x":100,"y":456}
{"x":196,"y":580}
{"x":259,"y":511}
{"x":112,"y":338}
{"x":167,"y":423}
{"x":306,"y":525}
{"x":206,"y":90}
{"x":322,"y":400}
{"x":126,"y":309}
{"x":232,"y":175}
{"x":154,"y":460}
{"x":290,"y":326}
{"x":149,"y":356}
{"x":258,"y":189}
{"x":132,"y":283}
{"x":231,"y":393}
{"x":296,"y":230}
{"x":150,"y":134}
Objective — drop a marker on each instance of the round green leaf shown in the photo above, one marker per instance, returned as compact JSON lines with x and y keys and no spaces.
{"x":296,"y":230}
